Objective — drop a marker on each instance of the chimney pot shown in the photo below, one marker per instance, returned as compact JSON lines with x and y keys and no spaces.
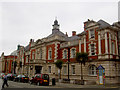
{"x":73,"y":33}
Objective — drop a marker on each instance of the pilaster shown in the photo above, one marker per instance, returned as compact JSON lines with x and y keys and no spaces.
{"x":84,"y":43}
{"x":79,"y":45}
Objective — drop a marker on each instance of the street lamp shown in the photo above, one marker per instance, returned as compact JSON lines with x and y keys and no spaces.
{"x":13,"y":71}
{"x":68,"y":59}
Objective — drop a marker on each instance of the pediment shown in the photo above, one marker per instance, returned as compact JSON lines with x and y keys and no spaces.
{"x":91,"y":24}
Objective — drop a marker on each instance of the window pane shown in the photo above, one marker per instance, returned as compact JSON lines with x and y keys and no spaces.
{"x":65,"y":54}
{"x":73,"y":69}
{"x":92,"y":33}
{"x":92,"y":49}
{"x":73,"y":53}
{"x":92,"y":70}
{"x":65,"y":70}
{"x":49,"y":69}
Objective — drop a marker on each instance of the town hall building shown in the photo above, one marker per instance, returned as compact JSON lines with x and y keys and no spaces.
{"x":99,"y":39}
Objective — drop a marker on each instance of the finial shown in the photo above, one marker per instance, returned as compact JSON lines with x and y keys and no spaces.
{"x":56,"y":18}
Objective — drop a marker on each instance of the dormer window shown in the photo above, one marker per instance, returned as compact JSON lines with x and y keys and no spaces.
{"x":92,"y":33}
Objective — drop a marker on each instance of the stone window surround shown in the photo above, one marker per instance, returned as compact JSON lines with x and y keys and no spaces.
{"x":40,"y":53}
{"x":64,"y":70}
{"x":73,"y":68}
{"x":90,"y":33}
{"x":92,"y":68}
{"x":49,"y":69}
{"x":33,"y":54}
{"x":113,"y":48}
{"x":71,"y":54}
{"x":90,"y":49}
{"x":26,"y":59}
{"x":49,"y":50}
{"x":63,"y":53}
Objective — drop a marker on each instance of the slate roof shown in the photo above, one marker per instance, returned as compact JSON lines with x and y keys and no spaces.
{"x":27,"y":48}
{"x":14,"y":53}
{"x":73,"y":38}
{"x":81,"y":33}
{"x":57,"y":32}
{"x":103,"y":24}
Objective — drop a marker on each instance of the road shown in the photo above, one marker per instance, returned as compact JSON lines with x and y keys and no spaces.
{"x":58,"y":85}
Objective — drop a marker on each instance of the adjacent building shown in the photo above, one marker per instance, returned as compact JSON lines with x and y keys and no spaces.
{"x":7,"y":62}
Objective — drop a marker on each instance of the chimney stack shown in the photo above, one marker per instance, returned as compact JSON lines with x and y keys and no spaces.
{"x":66,"y":34}
{"x":73,"y":33}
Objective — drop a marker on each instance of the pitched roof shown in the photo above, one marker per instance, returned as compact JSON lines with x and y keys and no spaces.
{"x":73,"y":38}
{"x":14,"y":53}
{"x":57,"y":32}
{"x":103,"y":24}
{"x":26,"y":48}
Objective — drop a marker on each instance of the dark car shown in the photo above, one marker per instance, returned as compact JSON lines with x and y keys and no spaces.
{"x":11,"y":76}
{"x":21,"y":78}
{"x":40,"y":79}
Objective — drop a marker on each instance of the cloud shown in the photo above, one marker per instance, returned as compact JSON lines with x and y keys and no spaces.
{"x":22,"y":21}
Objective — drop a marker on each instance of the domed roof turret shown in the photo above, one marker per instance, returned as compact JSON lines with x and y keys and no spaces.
{"x":55,"y":22}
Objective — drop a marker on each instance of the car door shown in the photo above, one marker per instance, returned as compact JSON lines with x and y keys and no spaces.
{"x":35,"y":79}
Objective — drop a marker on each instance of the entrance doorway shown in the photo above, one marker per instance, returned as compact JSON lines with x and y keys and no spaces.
{"x":38,"y":69}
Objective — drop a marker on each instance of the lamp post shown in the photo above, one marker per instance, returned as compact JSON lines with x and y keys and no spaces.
{"x":13,"y":71}
{"x":68,"y":62}
{"x":68,"y":59}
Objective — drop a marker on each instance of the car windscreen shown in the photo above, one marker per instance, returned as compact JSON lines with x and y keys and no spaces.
{"x":9,"y":74}
{"x":22,"y":76}
{"x":14,"y":75}
{"x":45,"y":76}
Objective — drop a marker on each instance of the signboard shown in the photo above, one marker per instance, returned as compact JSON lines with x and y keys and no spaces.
{"x":101,"y":74}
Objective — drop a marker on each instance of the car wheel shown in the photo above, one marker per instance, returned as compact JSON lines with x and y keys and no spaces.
{"x":14,"y":80}
{"x":30,"y":82}
{"x":19,"y":80}
{"x":38,"y":83}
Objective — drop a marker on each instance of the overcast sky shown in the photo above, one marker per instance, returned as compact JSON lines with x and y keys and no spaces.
{"x":20,"y":21}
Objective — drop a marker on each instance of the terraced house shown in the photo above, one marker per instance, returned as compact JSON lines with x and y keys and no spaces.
{"x":99,"y":39}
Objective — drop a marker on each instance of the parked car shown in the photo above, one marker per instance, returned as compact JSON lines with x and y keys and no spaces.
{"x":2,"y":75}
{"x":40,"y":79}
{"x":21,"y":78}
{"x":11,"y":76}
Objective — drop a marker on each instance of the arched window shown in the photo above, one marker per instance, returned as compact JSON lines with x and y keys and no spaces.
{"x":73,"y":52}
{"x":65,"y":54}
{"x":92,"y":70}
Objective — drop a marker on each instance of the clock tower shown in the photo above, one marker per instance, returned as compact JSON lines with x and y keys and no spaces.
{"x":55,"y":26}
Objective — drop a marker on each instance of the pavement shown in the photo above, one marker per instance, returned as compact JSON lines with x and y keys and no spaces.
{"x":68,"y":85}
{"x":58,"y":85}
{"x":1,"y":82}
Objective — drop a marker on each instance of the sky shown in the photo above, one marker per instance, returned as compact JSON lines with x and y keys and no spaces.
{"x":22,"y":20}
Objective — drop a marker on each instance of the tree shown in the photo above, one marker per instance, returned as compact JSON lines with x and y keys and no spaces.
{"x":58,"y":64}
{"x":82,"y":59}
